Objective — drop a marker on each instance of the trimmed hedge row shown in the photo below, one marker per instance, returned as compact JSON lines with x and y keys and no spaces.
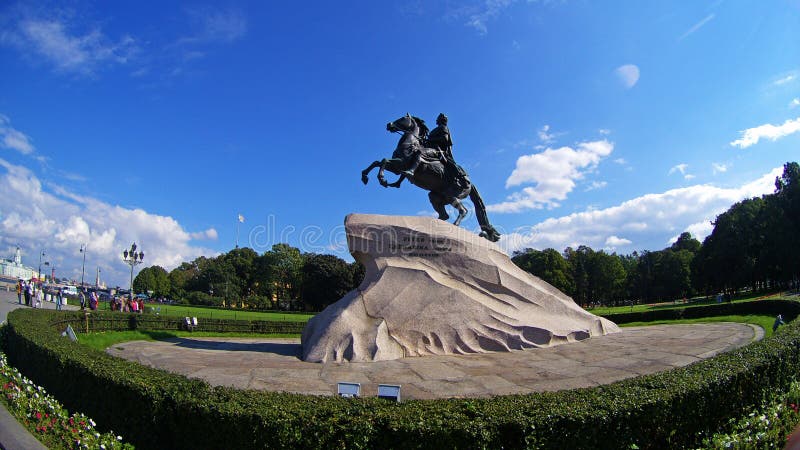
{"x":789,"y":310}
{"x":115,"y":321}
{"x":156,"y":409}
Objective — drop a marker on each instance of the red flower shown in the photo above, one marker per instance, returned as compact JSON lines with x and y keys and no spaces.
{"x":38,"y":415}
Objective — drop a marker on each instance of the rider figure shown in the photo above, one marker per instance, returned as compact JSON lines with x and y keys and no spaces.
{"x":438,"y":140}
{"x":439,"y":137}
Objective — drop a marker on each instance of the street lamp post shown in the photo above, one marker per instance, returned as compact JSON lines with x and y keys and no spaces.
{"x":39,"y":273}
{"x":97,"y":280}
{"x":132,"y":259}
{"x":83,"y":267}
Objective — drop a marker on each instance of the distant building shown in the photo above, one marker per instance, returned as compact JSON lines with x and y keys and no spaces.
{"x":13,"y":268}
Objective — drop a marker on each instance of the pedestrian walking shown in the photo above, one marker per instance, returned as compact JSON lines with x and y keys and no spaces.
{"x":39,"y":298}
{"x":28,"y":293}
{"x":59,"y":299}
{"x":19,"y":291}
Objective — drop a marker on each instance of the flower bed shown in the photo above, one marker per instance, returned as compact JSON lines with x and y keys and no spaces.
{"x":46,"y":418}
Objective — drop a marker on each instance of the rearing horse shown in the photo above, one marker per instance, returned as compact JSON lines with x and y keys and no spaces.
{"x":435,"y":174}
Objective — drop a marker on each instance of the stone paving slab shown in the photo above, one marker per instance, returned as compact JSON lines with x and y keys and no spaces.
{"x":274,"y":364}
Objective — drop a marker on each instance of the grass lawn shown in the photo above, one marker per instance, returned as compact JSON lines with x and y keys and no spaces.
{"x":702,"y":301}
{"x":764,"y":322}
{"x":213,"y":313}
{"x":103,"y":340}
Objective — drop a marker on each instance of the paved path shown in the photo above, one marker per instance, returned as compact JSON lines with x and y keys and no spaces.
{"x":272,"y":364}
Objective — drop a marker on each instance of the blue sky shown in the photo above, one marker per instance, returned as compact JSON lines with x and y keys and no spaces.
{"x":616,"y":125}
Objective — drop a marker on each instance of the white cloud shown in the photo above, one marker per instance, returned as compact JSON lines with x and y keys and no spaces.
{"x":649,"y":220}
{"x":679,"y":168}
{"x":696,"y":26}
{"x":794,"y":103}
{"x":554,"y":172}
{"x":544,"y":136}
{"x":479,"y":14}
{"x":614,"y":241}
{"x":70,"y":51}
{"x":604,"y":131}
{"x":620,"y":161}
{"x":783,"y":80}
{"x":719,"y":168}
{"x":59,"y":221}
{"x":13,"y":139}
{"x":628,"y":75}
{"x":596,"y":185}
{"x":209,"y":235}
{"x":751,"y":136}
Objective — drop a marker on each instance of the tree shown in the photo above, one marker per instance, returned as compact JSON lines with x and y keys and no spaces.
{"x":326,"y":279}
{"x":152,"y":279}
{"x":548,"y":265}
{"x":283,"y":271}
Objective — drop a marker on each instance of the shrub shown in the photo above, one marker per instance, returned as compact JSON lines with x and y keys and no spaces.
{"x":163,"y":410}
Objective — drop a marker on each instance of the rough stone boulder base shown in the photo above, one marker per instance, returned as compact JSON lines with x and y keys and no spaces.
{"x":432,"y":288}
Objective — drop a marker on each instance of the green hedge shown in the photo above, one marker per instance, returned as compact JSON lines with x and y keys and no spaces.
{"x":790,"y":310}
{"x":156,"y":409}
{"x":116,"y":321}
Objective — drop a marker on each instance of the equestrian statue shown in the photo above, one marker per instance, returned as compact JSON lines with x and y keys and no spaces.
{"x":426,"y":160}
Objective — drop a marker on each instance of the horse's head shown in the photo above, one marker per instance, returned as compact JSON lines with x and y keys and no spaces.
{"x":405,"y":124}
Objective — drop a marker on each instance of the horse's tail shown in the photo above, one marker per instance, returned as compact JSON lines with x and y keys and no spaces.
{"x":488,"y":230}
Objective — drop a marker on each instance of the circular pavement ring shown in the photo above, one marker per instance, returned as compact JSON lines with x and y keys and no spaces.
{"x":273,"y":364}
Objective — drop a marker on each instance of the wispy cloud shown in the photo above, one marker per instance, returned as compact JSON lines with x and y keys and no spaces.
{"x":719,"y":168}
{"x":594,"y":185}
{"x":678,"y":168}
{"x":681,"y":168}
{"x":628,"y":75}
{"x":794,"y":103}
{"x":751,"y":136}
{"x":14,"y":139}
{"x":215,"y":26}
{"x":784,"y":80}
{"x":696,"y":26}
{"x":69,"y":46}
{"x":553,"y":172}
{"x":544,"y":136}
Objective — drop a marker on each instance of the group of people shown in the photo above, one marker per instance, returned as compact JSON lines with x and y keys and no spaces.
{"x":127,"y":305}
{"x":93,"y":300}
{"x":33,"y":294}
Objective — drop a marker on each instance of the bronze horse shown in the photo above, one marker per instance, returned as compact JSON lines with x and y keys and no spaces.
{"x":435,"y":173}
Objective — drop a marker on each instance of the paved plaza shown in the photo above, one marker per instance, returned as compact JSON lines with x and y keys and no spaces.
{"x":274,"y":365}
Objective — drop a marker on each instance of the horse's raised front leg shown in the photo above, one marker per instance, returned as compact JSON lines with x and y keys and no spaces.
{"x":392,"y":166}
{"x":365,"y":172}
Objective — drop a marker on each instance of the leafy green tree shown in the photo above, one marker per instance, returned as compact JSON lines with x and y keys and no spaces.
{"x":606,"y":278}
{"x":548,"y":265}
{"x":283,"y":267}
{"x":326,"y":279}
{"x":152,"y":279}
